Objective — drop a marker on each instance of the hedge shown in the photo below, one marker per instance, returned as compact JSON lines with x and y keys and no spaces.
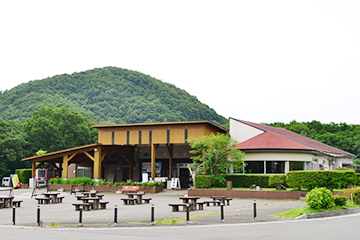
{"x":329,"y":179}
{"x":24,"y":175}
{"x":275,"y":180}
{"x":238,"y":181}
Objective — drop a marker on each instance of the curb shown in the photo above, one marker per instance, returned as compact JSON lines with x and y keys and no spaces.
{"x":329,"y":213}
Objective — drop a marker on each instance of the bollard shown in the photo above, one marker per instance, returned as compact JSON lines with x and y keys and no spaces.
{"x":152,"y":214}
{"x":222,"y":211}
{"x":187,"y":213}
{"x":80,"y":216}
{"x":38,"y":216}
{"x":13,"y":217}
{"x":115,"y":215}
{"x":255,"y":217}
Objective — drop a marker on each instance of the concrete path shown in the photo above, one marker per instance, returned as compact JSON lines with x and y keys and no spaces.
{"x":64,"y":214}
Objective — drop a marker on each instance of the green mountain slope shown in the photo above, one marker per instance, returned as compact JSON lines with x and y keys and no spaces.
{"x":107,"y":96}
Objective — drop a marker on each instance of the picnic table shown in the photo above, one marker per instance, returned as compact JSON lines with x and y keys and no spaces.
{"x":91,"y":193}
{"x":7,"y":201}
{"x":138,"y":196}
{"x":95,"y":200}
{"x":192,"y":200}
{"x":52,"y":195}
{"x":8,"y":189}
{"x":222,"y":199}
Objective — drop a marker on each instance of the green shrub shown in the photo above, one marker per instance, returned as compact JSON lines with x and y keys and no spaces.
{"x":275,"y":180}
{"x":357,"y":181}
{"x":24,"y":175}
{"x":319,"y":198}
{"x":352,"y":194}
{"x":340,"y":200}
{"x":329,"y":179}
{"x":218,"y":181}
{"x":246,"y":180}
{"x":203,"y":181}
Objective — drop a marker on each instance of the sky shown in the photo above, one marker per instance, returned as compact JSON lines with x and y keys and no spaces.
{"x":259,"y":61}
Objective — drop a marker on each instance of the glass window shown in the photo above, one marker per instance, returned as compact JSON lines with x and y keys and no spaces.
{"x":275,"y":167}
{"x":254,"y":167}
{"x":295,"y":166}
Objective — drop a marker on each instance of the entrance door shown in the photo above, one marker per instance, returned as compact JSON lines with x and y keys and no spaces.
{"x":182,"y":172}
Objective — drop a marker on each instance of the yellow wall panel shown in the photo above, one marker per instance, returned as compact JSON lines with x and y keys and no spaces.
{"x":177,"y":135}
{"x":159,"y":136}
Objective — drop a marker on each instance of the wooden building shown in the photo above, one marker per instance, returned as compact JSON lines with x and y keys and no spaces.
{"x":126,"y":151}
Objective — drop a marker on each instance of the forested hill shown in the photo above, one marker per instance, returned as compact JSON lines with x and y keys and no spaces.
{"x":107,"y":96}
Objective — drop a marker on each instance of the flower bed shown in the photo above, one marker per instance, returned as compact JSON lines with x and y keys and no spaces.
{"x":105,"y":188}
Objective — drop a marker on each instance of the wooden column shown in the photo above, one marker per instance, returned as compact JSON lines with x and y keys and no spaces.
{"x":169,"y":148}
{"x":154,"y":148}
{"x":33,"y":168}
{"x":97,"y":162}
{"x":65,"y":166}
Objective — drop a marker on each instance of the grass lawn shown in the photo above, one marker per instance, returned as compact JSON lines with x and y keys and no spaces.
{"x":293,"y":213}
{"x":274,"y":189}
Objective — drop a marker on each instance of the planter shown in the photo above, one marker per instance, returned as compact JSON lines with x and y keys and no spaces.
{"x":247,"y":193}
{"x":105,"y":188}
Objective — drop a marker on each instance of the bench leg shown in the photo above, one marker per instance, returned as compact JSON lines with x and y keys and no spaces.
{"x":201,"y":206}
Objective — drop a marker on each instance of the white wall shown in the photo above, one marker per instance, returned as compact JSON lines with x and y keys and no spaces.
{"x":241,"y":132}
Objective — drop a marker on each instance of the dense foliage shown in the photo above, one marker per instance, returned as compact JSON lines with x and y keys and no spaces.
{"x":106,"y":96}
{"x":340,"y":135}
{"x":211,"y":154}
{"x":91,"y":182}
{"x":327,"y":179}
{"x":319,"y":198}
{"x":238,"y":181}
{"x":13,"y":147}
{"x":48,"y":129}
{"x":57,"y":129}
{"x":24,"y":174}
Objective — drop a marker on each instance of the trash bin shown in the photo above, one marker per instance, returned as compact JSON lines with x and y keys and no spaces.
{"x":229,"y":184}
{"x":31,"y":182}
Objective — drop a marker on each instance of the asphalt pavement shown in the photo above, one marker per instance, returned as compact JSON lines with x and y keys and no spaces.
{"x":64,"y":214}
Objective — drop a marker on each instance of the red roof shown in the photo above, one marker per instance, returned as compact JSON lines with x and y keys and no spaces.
{"x":279,"y":138}
{"x":269,"y":140}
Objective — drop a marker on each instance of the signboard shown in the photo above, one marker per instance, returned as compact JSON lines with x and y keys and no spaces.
{"x":175,"y":183}
{"x":15,"y":180}
{"x":146,"y":166}
{"x":111,"y":175}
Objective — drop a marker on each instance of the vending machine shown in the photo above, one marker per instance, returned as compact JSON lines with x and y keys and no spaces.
{"x":40,"y":176}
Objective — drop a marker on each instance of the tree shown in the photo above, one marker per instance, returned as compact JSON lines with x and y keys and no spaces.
{"x":214,"y":154}
{"x":12,"y":147}
{"x":56,"y":129}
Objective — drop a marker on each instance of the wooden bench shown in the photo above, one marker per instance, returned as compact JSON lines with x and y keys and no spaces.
{"x":43,"y":200}
{"x":100,"y":195}
{"x":129,"y":201}
{"x":79,"y":197}
{"x":129,"y":189}
{"x":85,"y":206}
{"x":75,"y":190}
{"x":16,"y":203}
{"x":103,"y":205}
{"x":215,"y":203}
{"x":228,"y":201}
{"x":175,"y":206}
{"x":59,"y":199}
{"x":146,"y":200}
{"x":201,"y":205}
